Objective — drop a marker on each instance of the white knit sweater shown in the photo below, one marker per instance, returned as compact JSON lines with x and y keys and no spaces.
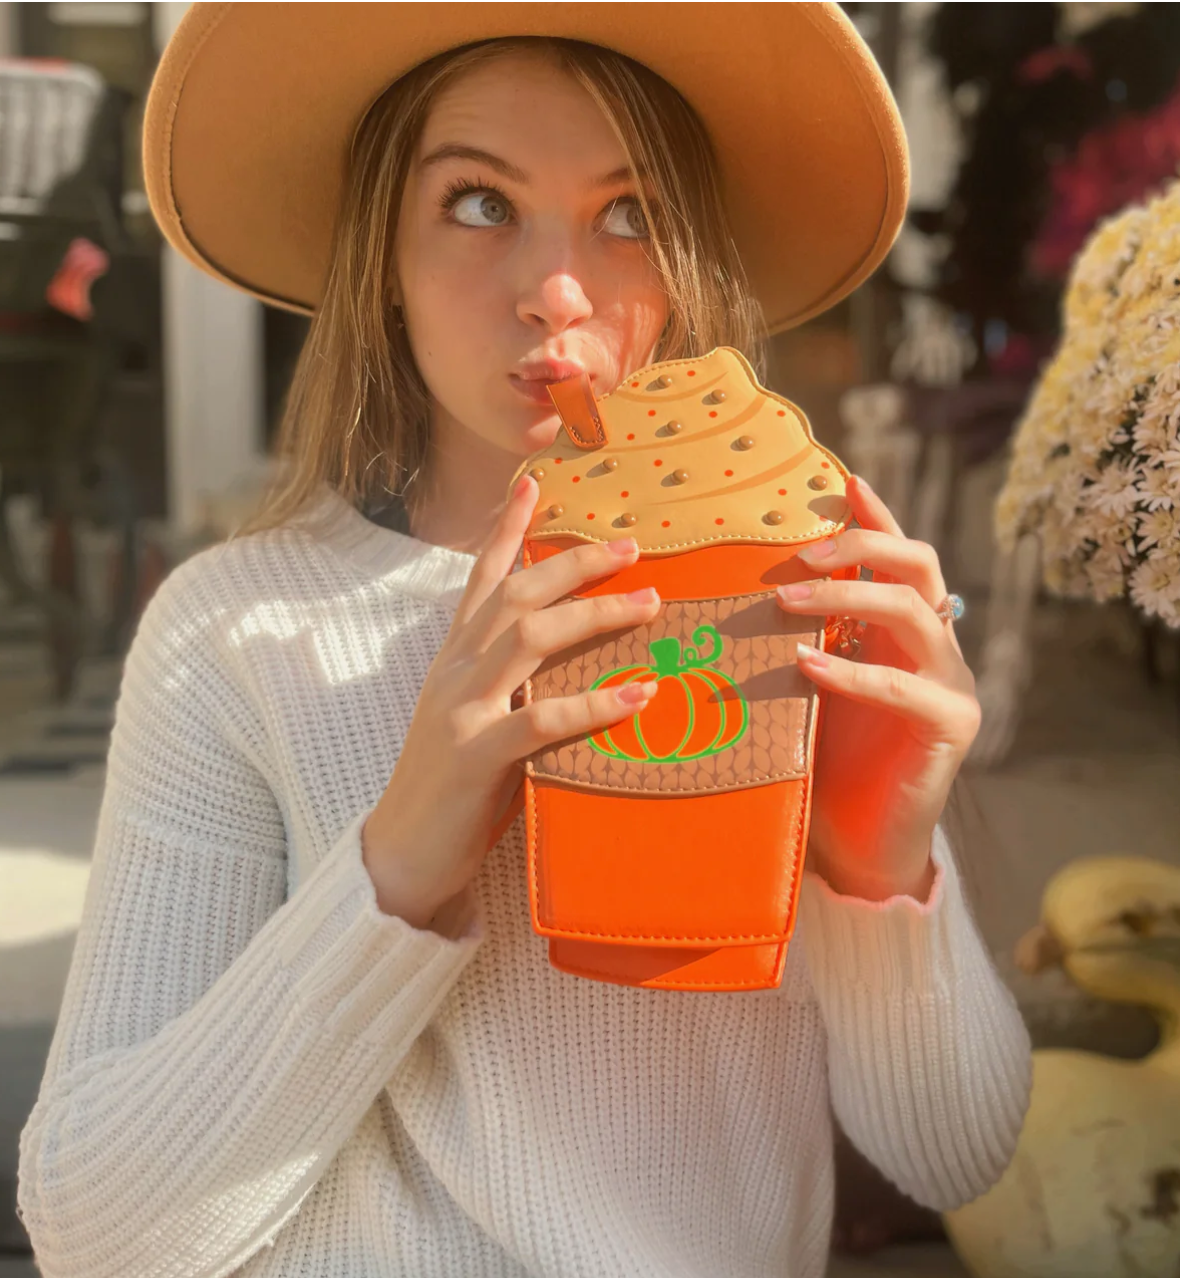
{"x":255,"y":1071}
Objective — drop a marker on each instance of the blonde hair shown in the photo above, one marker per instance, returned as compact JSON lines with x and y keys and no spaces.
{"x":357,"y":411}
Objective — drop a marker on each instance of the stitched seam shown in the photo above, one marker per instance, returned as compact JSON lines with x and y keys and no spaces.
{"x":174,"y":107}
{"x":578,"y":970}
{"x":817,"y":305}
{"x":697,"y":541}
{"x":603,"y":787}
{"x":702,"y":541}
{"x":736,"y":938}
{"x":739,"y":937}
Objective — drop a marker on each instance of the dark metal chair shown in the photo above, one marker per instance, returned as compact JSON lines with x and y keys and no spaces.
{"x":61,"y":181}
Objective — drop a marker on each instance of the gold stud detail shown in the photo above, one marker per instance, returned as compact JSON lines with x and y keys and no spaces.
{"x":610,"y":463}
{"x":680,"y":476}
{"x":818,"y":481}
{"x":674,"y":428}
{"x":538,"y":473}
{"x":664,"y":380}
{"x":628,"y":520}
{"x":773,"y":517}
{"x":556,"y":511}
{"x":718,"y":397}
{"x":745,"y":442}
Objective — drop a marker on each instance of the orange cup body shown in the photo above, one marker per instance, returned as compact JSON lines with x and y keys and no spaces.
{"x":694,"y":891}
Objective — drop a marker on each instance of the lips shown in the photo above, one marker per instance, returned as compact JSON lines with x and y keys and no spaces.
{"x":548,"y":371}
{"x":530,"y":380}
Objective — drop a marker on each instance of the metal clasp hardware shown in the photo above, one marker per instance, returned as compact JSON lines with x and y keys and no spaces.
{"x":843,"y":636}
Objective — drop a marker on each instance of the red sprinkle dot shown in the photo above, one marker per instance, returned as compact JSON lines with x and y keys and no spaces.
{"x":826,"y":465}
{"x":657,"y":462}
{"x":630,"y":436}
{"x":651,"y":412}
{"x":782,"y":412}
{"x":557,"y":461}
{"x":577,"y":479}
{"x":667,"y":522}
{"x":728,"y":473}
{"x":589,"y":516}
{"x":634,"y":383}
{"x":624,"y":493}
{"x":719,"y":521}
{"x":782,"y":492}
{"x":713,"y":413}
{"x":692,"y":372}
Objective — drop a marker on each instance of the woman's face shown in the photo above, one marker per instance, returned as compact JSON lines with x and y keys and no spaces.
{"x":519,"y":241}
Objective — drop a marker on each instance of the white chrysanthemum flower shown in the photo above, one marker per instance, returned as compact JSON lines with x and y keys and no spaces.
{"x":1167,"y":384}
{"x":1119,"y":535}
{"x":1158,"y":487}
{"x":1113,"y":386}
{"x":1153,"y":434}
{"x":1155,"y":587}
{"x":1113,"y":492}
{"x":1106,"y":573}
{"x":1159,"y":528}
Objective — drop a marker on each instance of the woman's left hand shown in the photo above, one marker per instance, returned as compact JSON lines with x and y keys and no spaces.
{"x":898,"y":720}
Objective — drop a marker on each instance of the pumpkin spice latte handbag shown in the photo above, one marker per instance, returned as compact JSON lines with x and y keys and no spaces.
{"x":667,"y":851}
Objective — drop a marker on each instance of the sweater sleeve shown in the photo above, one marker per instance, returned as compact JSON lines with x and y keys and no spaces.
{"x":930,"y":1062}
{"x":218,"y":1042}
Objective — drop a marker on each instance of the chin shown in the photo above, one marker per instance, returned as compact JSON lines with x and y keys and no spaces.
{"x":540,"y":434}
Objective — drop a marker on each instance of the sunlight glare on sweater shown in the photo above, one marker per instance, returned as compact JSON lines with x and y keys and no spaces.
{"x":348,"y":641}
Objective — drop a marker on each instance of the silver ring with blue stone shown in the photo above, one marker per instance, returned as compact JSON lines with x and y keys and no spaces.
{"x":951,"y":608}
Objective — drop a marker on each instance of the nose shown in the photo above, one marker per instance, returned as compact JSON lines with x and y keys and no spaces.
{"x":554,"y":297}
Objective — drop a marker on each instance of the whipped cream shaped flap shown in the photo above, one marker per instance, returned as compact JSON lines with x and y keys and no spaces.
{"x":685,"y":453}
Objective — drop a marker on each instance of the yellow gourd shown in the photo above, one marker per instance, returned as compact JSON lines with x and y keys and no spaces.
{"x":1094,"y":1188}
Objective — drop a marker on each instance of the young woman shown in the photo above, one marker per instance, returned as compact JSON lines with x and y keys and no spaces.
{"x":308,"y":1028}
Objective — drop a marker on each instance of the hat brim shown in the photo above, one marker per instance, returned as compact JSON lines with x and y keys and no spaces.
{"x":253,"y":107}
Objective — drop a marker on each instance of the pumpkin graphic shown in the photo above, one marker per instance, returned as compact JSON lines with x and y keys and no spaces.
{"x":697,"y":712}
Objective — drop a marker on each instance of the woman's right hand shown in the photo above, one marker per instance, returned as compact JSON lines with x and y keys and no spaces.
{"x":428,"y":834}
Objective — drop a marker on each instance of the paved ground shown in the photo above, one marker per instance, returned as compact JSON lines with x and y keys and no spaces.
{"x":918,"y":1260}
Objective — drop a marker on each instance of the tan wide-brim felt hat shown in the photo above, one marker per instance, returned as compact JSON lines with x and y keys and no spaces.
{"x":254,"y":106}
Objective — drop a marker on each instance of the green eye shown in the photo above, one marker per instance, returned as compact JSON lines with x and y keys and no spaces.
{"x":625,"y":219}
{"x":470,"y":209}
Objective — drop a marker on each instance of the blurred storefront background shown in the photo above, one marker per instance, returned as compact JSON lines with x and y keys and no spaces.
{"x":139,"y":398}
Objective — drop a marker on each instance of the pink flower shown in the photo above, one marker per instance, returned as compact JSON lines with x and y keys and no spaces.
{"x":69,"y":290}
{"x":1113,"y":166}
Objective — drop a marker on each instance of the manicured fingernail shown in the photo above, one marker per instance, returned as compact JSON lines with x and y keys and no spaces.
{"x":818,"y":550}
{"x":796,"y":590}
{"x":521,"y":484}
{"x":864,"y":483}
{"x":647,"y":595}
{"x":623,"y":547}
{"x":805,"y":652}
{"x":632,"y":694}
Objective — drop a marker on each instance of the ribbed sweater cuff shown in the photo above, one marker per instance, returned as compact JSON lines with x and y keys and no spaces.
{"x":896,"y":944}
{"x":929,"y":1058}
{"x":358,"y":970}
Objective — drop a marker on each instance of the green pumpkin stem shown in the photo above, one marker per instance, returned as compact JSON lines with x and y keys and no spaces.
{"x":667,"y":658}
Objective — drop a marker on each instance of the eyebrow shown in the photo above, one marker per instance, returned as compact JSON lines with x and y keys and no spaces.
{"x":458,"y":151}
